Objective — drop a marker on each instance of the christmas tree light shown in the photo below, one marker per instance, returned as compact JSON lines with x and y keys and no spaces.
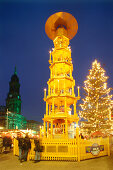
{"x":97,"y":102}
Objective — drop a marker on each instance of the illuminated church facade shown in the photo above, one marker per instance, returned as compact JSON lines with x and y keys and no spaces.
{"x":10,"y":115}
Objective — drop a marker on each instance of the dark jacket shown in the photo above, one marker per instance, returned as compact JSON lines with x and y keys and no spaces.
{"x":27,"y":143}
{"x":37,"y":145}
{"x":7,"y":141}
{"x":20,"y":142}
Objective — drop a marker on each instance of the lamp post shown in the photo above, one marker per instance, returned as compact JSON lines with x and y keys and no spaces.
{"x":7,"y":118}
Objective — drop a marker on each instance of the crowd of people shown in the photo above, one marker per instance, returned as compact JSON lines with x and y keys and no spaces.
{"x":24,"y":145}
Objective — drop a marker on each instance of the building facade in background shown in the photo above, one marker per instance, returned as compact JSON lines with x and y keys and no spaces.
{"x":34,"y":125}
{"x":13,"y":101}
{"x":10,"y":115}
{"x":3,"y":117}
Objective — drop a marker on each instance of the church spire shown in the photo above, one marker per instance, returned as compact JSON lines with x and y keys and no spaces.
{"x":15,"y":72}
{"x":13,"y":101}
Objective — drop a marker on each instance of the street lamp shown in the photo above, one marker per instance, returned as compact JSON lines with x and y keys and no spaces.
{"x":7,"y":118}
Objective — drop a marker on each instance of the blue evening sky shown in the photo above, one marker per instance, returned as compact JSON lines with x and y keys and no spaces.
{"x":23,"y":43}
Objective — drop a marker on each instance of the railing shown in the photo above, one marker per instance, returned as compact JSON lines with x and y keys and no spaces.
{"x":94,"y":148}
{"x":61,"y":93}
{"x":68,"y":149}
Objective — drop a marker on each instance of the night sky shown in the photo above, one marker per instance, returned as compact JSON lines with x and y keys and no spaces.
{"x":23,"y":43}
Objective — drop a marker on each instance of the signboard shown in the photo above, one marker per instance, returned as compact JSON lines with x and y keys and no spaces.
{"x":94,"y":149}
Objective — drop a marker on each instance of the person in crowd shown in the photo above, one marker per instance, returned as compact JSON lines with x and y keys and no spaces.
{"x":82,"y":137}
{"x":26,"y":146}
{"x":37,"y":150}
{"x":20,"y":145}
{"x":1,"y":144}
{"x":7,"y":142}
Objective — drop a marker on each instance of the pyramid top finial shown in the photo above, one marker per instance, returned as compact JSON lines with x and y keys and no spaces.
{"x":62,"y":20}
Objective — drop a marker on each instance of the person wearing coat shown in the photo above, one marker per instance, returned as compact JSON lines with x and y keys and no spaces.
{"x":20,"y":145}
{"x":26,"y":146}
{"x":37,"y":150}
{"x":7,"y":142}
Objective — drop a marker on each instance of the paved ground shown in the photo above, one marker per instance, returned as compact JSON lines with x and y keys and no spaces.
{"x":11,"y":162}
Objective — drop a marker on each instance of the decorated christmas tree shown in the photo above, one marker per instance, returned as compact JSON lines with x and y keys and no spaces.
{"x":97,"y":102}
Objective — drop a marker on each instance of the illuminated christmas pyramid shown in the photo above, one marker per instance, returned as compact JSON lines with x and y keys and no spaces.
{"x":60,"y":99}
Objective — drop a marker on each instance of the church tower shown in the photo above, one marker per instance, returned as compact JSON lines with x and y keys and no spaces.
{"x":13,"y":101}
